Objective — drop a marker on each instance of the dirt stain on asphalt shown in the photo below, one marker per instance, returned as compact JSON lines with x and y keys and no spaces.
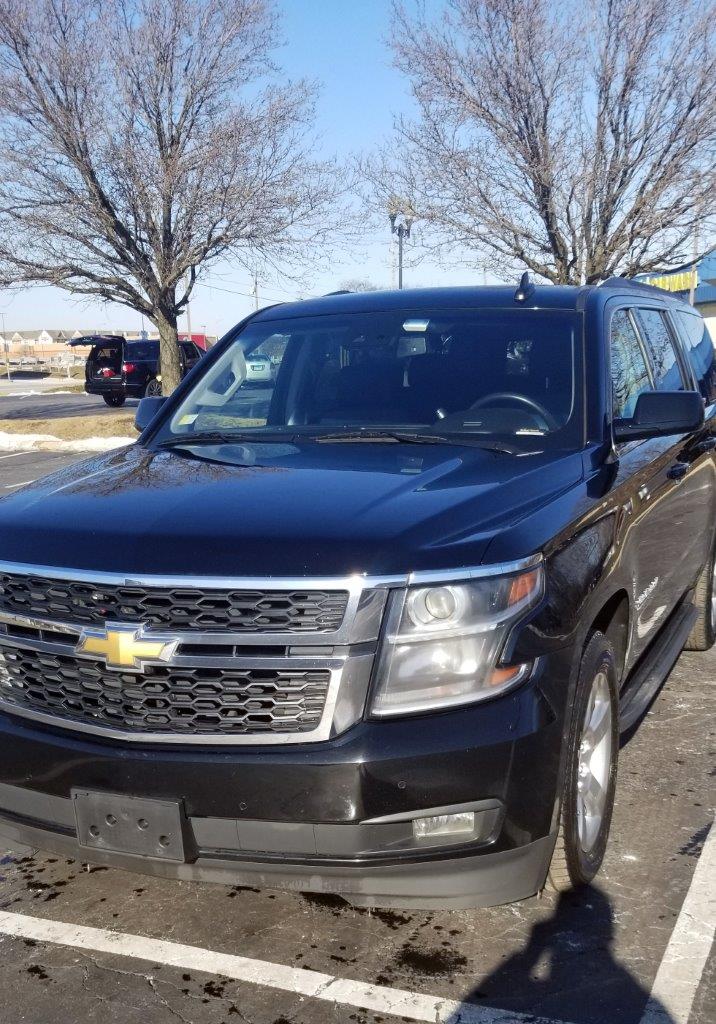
{"x":324,"y":899}
{"x":436,"y":962}
{"x":339,"y":907}
{"x":215,"y":989}
{"x":38,"y":971}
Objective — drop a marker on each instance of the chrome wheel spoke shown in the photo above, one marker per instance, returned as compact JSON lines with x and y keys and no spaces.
{"x":593,"y":797}
{"x":599,"y":726}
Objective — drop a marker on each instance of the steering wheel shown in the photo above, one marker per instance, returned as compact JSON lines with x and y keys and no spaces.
{"x":513,"y":396}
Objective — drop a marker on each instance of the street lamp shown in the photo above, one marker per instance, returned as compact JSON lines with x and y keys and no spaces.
{"x":400,"y":225}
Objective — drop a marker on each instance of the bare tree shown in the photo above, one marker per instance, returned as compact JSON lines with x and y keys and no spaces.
{"x":576,"y":139}
{"x":358,"y":284}
{"x":143,"y":140}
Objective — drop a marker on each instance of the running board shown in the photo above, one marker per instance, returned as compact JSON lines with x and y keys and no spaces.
{"x":648,"y":678}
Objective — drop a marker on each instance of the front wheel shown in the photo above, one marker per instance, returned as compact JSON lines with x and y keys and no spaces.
{"x":703,"y":634}
{"x":154,"y":388}
{"x":590,"y":772}
{"x":115,"y":401}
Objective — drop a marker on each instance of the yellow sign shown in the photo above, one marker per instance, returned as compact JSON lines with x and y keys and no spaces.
{"x":124,"y":647}
{"x":681,"y":282}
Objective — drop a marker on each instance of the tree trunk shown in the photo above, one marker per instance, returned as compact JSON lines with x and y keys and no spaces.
{"x":169,"y":361}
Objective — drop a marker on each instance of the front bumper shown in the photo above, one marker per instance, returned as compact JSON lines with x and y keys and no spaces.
{"x":303,"y":817}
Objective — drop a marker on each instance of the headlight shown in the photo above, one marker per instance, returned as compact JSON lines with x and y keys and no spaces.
{"x":443,"y":643}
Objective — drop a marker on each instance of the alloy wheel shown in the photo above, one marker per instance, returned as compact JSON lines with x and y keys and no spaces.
{"x":594,"y":765}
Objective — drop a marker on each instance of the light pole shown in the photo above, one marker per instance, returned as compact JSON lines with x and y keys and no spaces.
{"x":400,"y":225}
{"x":6,"y":346}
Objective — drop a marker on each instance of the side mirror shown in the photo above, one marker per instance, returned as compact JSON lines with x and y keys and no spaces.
{"x":146,"y":411}
{"x":659,"y":413}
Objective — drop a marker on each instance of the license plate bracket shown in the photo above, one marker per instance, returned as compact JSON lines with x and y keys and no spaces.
{"x":131,"y":825}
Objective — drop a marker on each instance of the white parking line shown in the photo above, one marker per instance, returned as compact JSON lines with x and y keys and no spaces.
{"x":681,"y":967}
{"x":379,"y":998}
{"x":13,"y":455}
{"x":24,"y":483}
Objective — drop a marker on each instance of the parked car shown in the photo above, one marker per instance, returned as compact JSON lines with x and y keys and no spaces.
{"x":118,"y":369}
{"x":259,"y":371}
{"x":384,"y":641}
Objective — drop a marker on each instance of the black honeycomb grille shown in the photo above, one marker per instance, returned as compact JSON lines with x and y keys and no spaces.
{"x":177,"y":701}
{"x":185,"y":608}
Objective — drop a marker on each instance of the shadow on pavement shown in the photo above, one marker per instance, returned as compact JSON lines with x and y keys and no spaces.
{"x":566,"y":971}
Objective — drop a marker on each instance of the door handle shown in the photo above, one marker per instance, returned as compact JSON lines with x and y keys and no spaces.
{"x":678,"y":471}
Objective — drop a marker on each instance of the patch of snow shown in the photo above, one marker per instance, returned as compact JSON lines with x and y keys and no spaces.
{"x":49,"y":443}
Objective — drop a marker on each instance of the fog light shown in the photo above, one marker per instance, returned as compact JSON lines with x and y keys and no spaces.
{"x":444,"y":825}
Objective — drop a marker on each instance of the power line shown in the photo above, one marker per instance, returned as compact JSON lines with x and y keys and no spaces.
{"x":253,"y":295}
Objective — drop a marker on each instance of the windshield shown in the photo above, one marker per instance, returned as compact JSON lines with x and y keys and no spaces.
{"x":471,"y":375}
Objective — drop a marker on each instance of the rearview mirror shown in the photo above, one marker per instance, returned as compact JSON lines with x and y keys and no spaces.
{"x":659,"y":413}
{"x":146,"y":411}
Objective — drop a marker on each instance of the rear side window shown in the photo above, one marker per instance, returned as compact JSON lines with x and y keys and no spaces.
{"x":143,"y":350}
{"x":630,"y":376}
{"x":700,"y":351}
{"x":656,"y":334}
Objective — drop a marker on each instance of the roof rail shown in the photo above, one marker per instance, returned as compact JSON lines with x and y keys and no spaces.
{"x":341,"y":291}
{"x":631,"y":285}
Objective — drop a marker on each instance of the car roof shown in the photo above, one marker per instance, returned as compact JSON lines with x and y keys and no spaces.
{"x":540,"y":296}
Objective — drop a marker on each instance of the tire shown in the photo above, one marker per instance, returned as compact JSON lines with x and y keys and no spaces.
{"x":153,"y":388}
{"x":115,"y":400}
{"x":703,"y":636}
{"x":582,"y":837}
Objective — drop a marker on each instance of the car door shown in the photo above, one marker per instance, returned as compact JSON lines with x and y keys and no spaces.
{"x":699,"y":454}
{"x":190,"y":356}
{"x":653,"y":544}
{"x":678,"y":492}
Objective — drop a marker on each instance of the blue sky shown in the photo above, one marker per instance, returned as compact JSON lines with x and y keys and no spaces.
{"x":341,"y":44}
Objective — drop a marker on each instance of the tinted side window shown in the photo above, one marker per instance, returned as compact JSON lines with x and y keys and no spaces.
{"x":143,"y":350}
{"x":700,"y":351}
{"x":655,"y":330}
{"x":630,"y":375}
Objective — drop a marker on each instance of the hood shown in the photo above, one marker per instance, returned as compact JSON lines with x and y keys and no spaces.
{"x":278,"y":510}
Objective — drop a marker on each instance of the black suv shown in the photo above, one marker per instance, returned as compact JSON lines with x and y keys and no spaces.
{"x":375,"y":632}
{"x":118,"y":369}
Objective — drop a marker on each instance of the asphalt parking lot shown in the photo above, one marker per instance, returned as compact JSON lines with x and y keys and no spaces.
{"x":26,"y":401}
{"x":85,"y":944}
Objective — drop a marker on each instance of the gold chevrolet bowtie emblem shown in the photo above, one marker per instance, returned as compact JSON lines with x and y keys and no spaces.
{"x":125,"y":646}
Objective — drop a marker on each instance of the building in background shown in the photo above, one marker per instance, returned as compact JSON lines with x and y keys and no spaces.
{"x":695,"y":279}
{"x":51,"y":345}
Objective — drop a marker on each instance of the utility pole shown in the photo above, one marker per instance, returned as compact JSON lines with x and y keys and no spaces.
{"x":400,"y":225}
{"x":255,"y":290}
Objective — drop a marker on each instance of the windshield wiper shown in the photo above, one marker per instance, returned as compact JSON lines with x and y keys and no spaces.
{"x":408,"y":437}
{"x":291,"y":436}
{"x":378,"y":435}
{"x":217,"y":437}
